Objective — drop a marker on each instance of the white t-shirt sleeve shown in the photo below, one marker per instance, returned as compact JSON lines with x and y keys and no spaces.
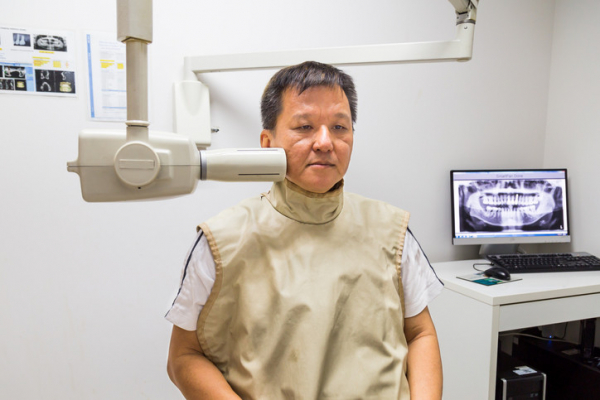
{"x":197,"y":280}
{"x":419,"y":281}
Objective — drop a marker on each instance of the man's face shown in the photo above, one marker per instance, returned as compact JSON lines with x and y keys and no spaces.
{"x":315,"y":130}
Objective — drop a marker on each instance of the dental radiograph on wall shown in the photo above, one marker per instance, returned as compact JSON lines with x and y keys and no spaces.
{"x":49,"y":43}
{"x":514,"y":205}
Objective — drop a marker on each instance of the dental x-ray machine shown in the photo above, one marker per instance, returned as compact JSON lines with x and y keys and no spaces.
{"x":140,"y":164}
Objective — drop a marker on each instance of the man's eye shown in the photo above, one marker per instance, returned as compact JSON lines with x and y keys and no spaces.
{"x":339,"y":127}
{"x":304,"y":128}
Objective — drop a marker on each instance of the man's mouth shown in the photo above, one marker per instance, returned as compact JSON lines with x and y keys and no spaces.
{"x":320,"y":164}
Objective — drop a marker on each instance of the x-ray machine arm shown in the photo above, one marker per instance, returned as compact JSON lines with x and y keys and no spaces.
{"x":137,"y":164}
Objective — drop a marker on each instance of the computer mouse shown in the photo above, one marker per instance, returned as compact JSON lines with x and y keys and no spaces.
{"x":498,"y":273}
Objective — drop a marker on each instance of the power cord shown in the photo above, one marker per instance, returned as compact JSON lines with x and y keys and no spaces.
{"x":481,"y":270}
{"x":536,"y":337}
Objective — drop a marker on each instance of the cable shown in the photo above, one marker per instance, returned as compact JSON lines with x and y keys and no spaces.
{"x":565,"y":331}
{"x":536,"y":337}
{"x":481,"y":270}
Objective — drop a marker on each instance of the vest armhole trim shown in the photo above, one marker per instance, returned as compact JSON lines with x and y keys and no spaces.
{"x":401,"y":239}
{"x":214,"y":292}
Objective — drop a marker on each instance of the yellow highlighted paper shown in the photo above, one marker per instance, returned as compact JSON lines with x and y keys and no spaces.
{"x":107,"y":63}
{"x":40,"y":61}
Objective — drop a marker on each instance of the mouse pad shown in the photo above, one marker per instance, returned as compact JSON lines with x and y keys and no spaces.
{"x":480,"y":278}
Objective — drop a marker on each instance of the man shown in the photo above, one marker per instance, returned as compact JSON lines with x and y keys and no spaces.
{"x":307,"y":292}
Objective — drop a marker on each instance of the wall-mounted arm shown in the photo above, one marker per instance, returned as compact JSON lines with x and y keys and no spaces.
{"x":464,"y":6}
{"x":458,"y":49}
{"x":134,"y":28}
{"x":189,"y":119}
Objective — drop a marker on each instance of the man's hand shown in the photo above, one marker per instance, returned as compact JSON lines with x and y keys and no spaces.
{"x":194,"y":375}
{"x":424,"y":369}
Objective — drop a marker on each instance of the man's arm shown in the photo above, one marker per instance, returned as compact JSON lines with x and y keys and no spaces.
{"x":194,"y":375}
{"x":424,"y":369}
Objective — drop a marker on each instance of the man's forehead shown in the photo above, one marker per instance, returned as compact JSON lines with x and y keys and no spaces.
{"x":299,"y":103}
{"x":299,"y":116}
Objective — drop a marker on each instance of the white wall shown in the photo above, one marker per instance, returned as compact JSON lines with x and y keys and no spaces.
{"x":573,"y":132}
{"x":83,"y":287}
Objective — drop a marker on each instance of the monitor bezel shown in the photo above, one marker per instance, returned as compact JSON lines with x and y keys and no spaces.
{"x":512,"y":239}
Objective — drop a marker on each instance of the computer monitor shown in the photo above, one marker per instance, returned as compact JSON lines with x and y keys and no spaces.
{"x":509,"y":207}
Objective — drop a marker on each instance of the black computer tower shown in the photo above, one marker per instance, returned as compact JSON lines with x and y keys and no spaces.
{"x":570,"y":375}
{"x":518,"y":381}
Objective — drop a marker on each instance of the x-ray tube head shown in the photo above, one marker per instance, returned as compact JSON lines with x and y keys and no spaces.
{"x":111,"y":168}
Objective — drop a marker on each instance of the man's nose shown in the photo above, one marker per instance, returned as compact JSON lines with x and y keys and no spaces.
{"x":323,"y":140}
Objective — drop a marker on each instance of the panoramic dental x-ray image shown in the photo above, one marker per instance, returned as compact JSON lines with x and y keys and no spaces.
{"x":514,"y":205}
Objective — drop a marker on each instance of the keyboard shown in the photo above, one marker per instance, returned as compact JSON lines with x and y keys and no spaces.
{"x":546,"y":262}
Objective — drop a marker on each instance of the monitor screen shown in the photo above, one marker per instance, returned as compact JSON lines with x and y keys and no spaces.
{"x":509,"y":206}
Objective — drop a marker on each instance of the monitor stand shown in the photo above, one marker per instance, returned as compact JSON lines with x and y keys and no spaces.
{"x":490,"y":249}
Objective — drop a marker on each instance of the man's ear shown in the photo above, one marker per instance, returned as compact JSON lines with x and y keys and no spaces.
{"x":266,"y":138}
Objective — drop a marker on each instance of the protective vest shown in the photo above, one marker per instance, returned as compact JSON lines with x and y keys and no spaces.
{"x":307,"y":301}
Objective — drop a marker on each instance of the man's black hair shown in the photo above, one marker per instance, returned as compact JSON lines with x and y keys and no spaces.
{"x":301,"y":77}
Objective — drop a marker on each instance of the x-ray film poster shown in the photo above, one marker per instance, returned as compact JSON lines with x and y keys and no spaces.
{"x":511,"y":206}
{"x":37,"y":61}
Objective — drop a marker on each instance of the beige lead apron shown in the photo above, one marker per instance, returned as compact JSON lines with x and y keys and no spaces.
{"x":307,"y":302}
